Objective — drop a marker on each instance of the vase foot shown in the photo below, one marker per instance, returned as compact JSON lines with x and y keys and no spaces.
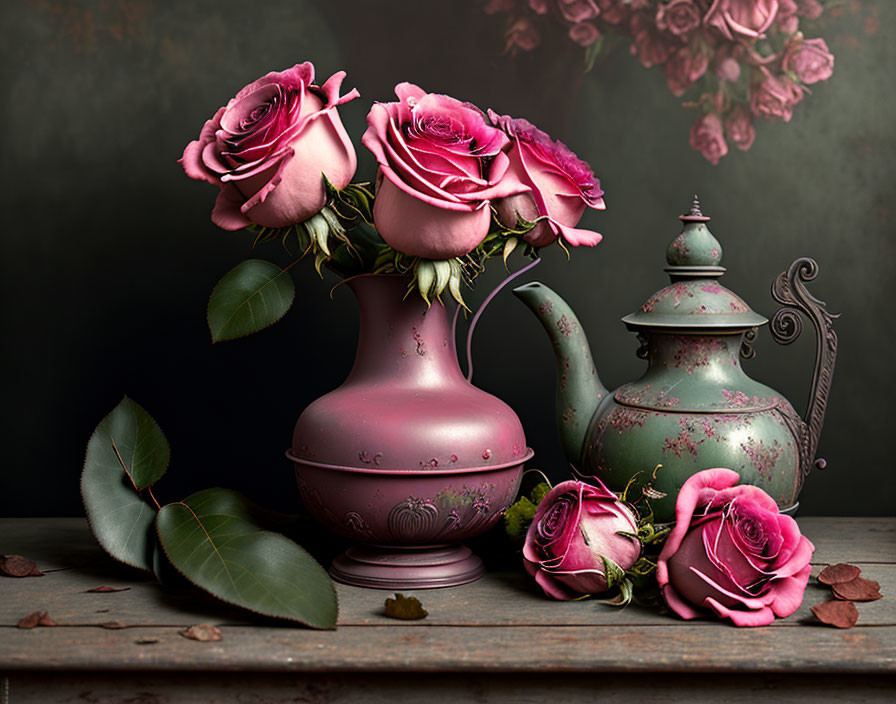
{"x":381,"y":567}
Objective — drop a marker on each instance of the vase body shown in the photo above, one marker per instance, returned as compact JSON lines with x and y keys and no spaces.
{"x":406,"y":457}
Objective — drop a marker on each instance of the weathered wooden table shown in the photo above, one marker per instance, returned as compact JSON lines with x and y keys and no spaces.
{"x":495,"y":640}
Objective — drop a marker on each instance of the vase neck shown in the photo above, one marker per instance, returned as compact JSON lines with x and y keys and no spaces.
{"x":400,"y":340}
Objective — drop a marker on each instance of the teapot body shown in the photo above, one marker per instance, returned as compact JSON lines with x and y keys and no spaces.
{"x":694,"y":409}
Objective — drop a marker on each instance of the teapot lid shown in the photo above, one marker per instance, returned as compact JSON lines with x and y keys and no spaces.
{"x":695,"y":299}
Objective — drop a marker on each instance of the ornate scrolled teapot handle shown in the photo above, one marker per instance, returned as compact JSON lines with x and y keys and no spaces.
{"x":790,"y":291}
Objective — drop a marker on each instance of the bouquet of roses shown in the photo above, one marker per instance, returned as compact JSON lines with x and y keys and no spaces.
{"x":744,"y":59}
{"x":455,"y":187}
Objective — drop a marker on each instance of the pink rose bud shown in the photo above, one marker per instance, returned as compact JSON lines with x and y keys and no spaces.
{"x":267,"y":148}
{"x":578,"y":10}
{"x":787,"y":19}
{"x":650,"y":45}
{"x":707,"y":138}
{"x":728,"y":69}
{"x":440,"y":164}
{"x":678,"y":16}
{"x":576,"y":526}
{"x":810,"y":8}
{"x":547,"y":180}
{"x":584,"y":33}
{"x":739,"y":127}
{"x":612,"y":11}
{"x":741,"y":18}
{"x":732,"y":553}
{"x":522,"y":34}
{"x":810,"y":60}
{"x":684,"y":68}
{"x":775,"y":97}
{"x":539,"y":7}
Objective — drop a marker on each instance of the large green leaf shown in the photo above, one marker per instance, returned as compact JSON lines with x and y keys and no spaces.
{"x":250,"y":297}
{"x":214,"y":539}
{"x":127,"y":452}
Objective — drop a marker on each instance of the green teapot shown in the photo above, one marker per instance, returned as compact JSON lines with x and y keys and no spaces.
{"x":695,"y":407}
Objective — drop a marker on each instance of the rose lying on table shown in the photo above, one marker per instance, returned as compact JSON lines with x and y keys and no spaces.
{"x":730,"y":553}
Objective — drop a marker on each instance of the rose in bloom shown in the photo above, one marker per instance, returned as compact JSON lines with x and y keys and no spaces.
{"x":269,"y":148}
{"x":678,"y":16}
{"x":684,"y":67}
{"x":440,"y":163}
{"x":575,"y":527}
{"x":547,"y":180}
{"x":739,"y":127}
{"x":708,"y":138}
{"x":809,"y":59}
{"x":578,"y":10}
{"x":732,"y":553}
{"x":741,"y":18}
{"x":775,"y":97}
{"x":584,"y":33}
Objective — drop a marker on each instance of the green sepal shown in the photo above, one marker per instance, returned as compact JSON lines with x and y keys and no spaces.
{"x":615,"y":574}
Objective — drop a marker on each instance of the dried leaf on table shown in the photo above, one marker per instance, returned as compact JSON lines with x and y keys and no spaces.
{"x":203,"y":632}
{"x":18,"y":566}
{"x":859,"y":589}
{"x":407,"y":608}
{"x":836,"y":574}
{"x":45,"y":620}
{"x":31,"y":620}
{"x":113,"y":624}
{"x":103,"y":589}
{"x":842,"y":614}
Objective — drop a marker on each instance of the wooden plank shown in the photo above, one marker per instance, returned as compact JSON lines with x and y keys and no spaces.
{"x":662,"y":648}
{"x":223,"y":688}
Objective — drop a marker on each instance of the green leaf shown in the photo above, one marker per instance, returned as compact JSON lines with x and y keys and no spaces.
{"x":615,"y":574}
{"x":127,"y":452}
{"x":214,"y":539}
{"x":250,"y":297}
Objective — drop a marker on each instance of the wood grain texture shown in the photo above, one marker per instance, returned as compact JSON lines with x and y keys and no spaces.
{"x":183,"y":688}
{"x":499,"y":624}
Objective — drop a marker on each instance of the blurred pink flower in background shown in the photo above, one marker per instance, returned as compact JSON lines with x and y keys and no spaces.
{"x":584,"y":33}
{"x":809,"y":59}
{"x":708,"y":138}
{"x":775,"y":97}
{"x":739,"y":127}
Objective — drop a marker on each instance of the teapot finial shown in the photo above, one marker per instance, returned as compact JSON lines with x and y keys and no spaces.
{"x":695,"y":252}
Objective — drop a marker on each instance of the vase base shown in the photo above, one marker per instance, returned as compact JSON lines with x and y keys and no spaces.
{"x":381,"y":567}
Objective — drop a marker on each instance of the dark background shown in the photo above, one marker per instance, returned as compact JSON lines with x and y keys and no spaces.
{"x":109,"y":254}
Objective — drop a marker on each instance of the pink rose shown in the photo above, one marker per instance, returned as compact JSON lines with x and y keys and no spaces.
{"x":269,"y":148}
{"x":809,"y":59}
{"x":584,"y":33}
{"x":440,"y":163}
{"x":707,"y":138}
{"x":810,"y":8}
{"x":547,"y":180}
{"x":650,"y":46}
{"x":578,"y":10}
{"x":775,"y":97}
{"x":612,"y":11}
{"x":539,"y":7}
{"x":731,"y":552}
{"x":787,"y":20}
{"x":739,"y":127}
{"x":684,"y":67}
{"x":741,"y":18}
{"x":523,"y":34}
{"x":678,"y":16}
{"x":576,"y":526}
{"x":728,"y":69}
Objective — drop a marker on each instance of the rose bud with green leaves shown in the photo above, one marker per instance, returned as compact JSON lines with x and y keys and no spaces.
{"x":732,"y":554}
{"x":271,"y":148}
{"x":549,"y":184}
{"x":582,"y":541}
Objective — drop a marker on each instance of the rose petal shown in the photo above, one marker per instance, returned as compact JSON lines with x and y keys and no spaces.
{"x":836,"y":574}
{"x":203,"y":632}
{"x":789,"y":592}
{"x":842,"y":614}
{"x":18,"y":566}
{"x":553,"y":588}
{"x":859,"y":589}
{"x":31,"y":620}
{"x":679,"y":605}
{"x":749,"y":619}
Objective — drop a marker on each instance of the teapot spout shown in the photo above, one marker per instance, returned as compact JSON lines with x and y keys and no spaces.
{"x":579,"y":390}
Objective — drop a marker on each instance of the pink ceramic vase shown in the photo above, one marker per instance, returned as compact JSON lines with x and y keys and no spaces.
{"x":407,"y":457}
